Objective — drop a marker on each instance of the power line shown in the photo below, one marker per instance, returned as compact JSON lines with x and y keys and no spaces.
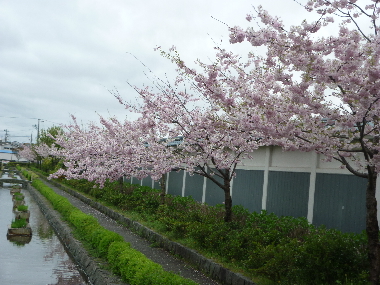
{"x":30,"y":119}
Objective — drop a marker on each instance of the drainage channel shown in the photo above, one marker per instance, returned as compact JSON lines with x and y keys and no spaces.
{"x":39,"y":259}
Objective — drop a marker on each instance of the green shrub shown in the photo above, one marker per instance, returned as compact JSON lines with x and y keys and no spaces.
{"x":28,"y":174}
{"x":106,"y":241}
{"x":38,"y":184}
{"x":141,"y":199}
{"x":113,"y":196}
{"x":81,"y":185}
{"x":114,"y":251}
{"x":132,"y":262}
{"x":97,"y":193}
{"x":96,"y":236}
{"x":63,"y":206}
{"x":325,"y":257}
{"x":84,"y":224}
{"x":101,"y":240}
{"x":182,"y":215}
{"x":284,"y":249}
{"x":329,"y":255}
{"x":136,"y":269}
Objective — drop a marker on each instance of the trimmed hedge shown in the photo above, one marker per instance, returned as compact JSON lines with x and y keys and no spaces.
{"x":134,"y":267}
{"x":27,"y":174}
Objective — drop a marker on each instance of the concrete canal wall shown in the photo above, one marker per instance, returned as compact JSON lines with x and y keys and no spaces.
{"x":89,"y":265}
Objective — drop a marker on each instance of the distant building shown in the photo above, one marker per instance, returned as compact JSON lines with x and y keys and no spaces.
{"x":9,"y":152}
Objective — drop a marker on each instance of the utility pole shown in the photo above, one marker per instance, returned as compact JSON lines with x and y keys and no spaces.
{"x":38,"y":130}
{"x":38,"y":140}
{"x":6,"y":134}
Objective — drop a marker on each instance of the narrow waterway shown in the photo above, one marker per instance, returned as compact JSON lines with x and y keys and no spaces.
{"x":39,"y":260}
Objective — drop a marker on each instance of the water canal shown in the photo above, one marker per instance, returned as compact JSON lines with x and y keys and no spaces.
{"x":39,"y":260}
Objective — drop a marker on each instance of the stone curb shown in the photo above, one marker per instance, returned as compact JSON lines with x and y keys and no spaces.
{"x":207,"y":266}
{"x":95,"y":274}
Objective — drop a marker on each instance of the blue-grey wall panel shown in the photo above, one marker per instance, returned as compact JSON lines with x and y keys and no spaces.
{"x":175,"y":183}
{"x":157,"y":185}
{"x":247,"y":189}
{"x":147,"y":181}
{"x":339,"y":202}
{"x":194,"y":186}
{"x":214,"y":194}
{"x":288,"y":193}
{"x":136,"y":181}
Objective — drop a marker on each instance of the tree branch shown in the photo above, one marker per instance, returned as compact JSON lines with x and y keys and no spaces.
{"x":349,"y":167}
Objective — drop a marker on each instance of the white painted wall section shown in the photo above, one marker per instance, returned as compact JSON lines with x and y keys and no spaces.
{"x":313,"y":178}
{"x":183,"y":183}
{"x":167,"y":183}
{"x":268,"y":154}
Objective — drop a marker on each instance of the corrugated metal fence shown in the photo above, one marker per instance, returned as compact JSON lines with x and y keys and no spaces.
{"x":288,"y":184}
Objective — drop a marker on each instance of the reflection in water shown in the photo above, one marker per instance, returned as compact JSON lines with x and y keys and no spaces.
{"x":45,"y":231}
{"x":19,"y":240}
{"x":41,"y":260}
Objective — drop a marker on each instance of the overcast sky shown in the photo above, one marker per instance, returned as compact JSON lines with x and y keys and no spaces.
{"x":61,"y":57}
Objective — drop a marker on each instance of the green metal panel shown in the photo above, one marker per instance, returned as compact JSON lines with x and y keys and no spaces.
{"x":157,"y":185}
{"x":147,"y":181}
{"x":214,"y":194}
{"x":288,"y":193}
{"x":136,"y":181}
{"x":194,"y":186}
{"x":175,"y":183}
{"x":339,"y":202}
{"x":247,"y":189}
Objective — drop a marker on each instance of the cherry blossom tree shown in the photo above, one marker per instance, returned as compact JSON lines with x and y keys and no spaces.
{"x":112,"y":151}
{"x":330,"y":85}
{"x":44,"y":149}
{"x":28,"y":153}
{"x":214,"y":140}
{"x":213,"y":144}
{"x":95,"y":154}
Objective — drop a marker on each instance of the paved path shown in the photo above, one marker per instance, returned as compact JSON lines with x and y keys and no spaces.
{"x":158,"y":255}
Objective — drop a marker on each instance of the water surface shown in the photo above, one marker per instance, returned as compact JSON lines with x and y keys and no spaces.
{"x":39,"y":260}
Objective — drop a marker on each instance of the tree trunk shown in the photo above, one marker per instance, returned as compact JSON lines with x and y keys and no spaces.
{"x":372,"y":229}
{"x":227,"y":201}
{"x":163,"y":188}
{"x":121,"y":183}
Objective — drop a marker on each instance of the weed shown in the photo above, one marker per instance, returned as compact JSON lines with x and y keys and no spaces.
{"x":19,"y":223}
{"x":22,"y":208}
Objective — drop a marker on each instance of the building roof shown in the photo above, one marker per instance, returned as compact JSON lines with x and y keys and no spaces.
{"x":6,"y":151}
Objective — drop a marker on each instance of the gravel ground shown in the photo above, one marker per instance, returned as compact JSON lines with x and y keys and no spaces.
{"x":158,"y":255}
